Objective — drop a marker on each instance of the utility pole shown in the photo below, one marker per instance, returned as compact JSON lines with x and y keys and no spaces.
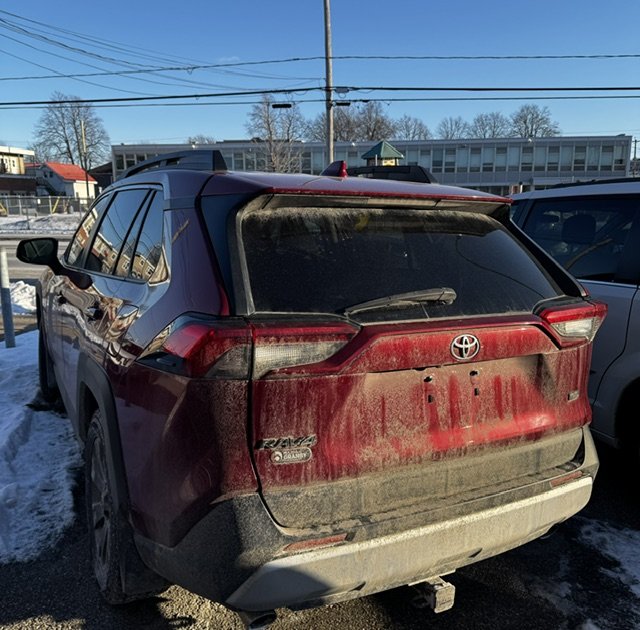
{"x":329,"y":79}
{"x":86,"y":163}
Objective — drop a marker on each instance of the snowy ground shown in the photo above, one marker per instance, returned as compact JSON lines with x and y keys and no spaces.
{"x":23,"y":298}
{"x":38,"y":456}
{"x":50,"y":224}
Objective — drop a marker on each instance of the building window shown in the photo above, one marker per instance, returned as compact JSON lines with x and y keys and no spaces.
{"x":527,"y":158}
{"x":513,"y":158}
{"x":593,"y":155}
{"x":449,"y":160}
{"x":474,"y":160}
{"x":238,"y":161}
{"x":462,"y":159}
{"x":488,"y":158}
{"x":579,"y":158}
{"x":501,"y":159}
{"x":553,"y":159}
{"x":606,"y":158}
{"x":618,"y":158}
{"x":436,"y":163}
{"x":566,"y":157}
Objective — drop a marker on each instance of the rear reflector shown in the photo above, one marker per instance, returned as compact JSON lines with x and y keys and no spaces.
{"x":304,"y":545}
{"x":575,"y":324}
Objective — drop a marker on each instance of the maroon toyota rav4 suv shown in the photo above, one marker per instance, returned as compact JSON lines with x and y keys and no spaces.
{"x":298,"y":389}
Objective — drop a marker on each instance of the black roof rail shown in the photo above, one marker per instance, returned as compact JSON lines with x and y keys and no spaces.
{"x":405,"y":173}
{"x":196,"y":159}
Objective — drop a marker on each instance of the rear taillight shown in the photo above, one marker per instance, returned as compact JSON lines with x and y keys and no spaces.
{"x":202,"y":347}
{"x":278,"y":347}
{"x":575,"y":324}
{"x":199,"y":347}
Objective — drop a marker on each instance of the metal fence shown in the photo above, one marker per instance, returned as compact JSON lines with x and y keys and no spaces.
{"x":42,"y":206}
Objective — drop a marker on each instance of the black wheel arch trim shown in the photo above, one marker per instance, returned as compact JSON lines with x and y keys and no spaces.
{"x":93,"y":380}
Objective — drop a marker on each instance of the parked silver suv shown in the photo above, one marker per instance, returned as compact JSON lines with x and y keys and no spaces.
{"x":593,"y":230}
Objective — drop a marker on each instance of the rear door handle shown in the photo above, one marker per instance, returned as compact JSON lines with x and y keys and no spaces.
{"x":93,"y":313}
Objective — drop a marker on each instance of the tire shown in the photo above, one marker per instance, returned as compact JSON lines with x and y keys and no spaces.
{"x":46,"y":375}
{"x":114,"y":558}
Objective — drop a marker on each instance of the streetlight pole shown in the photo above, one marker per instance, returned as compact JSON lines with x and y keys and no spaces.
{"x":329,"y":79}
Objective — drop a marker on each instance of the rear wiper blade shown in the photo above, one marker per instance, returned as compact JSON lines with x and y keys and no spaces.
{"x":437,"y":295}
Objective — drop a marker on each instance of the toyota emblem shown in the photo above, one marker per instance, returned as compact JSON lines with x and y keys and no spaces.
{"x":465,"y":347}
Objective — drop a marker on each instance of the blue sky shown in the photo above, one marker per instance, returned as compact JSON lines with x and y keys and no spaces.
{"x":216,"y":32}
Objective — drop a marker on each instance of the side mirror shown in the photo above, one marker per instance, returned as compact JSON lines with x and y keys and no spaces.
{"x":39,"y":251}
{"x":44,"y":251}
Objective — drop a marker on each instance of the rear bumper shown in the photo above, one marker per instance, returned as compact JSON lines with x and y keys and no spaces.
{"x":357,"y":569}
{"x":236,"y":554}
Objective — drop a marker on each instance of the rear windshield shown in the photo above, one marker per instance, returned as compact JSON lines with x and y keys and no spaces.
{"x":326,"y":260}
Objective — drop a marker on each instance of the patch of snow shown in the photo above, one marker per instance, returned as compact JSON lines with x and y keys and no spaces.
{"x":47,"y":224}
{"x":621,"y":545}
{"x":588,"y":625}
{"x":23,"y":297}
{"x":38,"y":457}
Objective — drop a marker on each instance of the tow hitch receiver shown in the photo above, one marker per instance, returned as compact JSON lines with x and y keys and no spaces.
{"x":434,"y":593}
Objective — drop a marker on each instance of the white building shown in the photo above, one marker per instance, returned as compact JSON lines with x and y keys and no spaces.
{"x":66,"y":180}
{"x":497,"y":165}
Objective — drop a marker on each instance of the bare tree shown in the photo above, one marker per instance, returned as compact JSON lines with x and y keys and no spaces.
{"x":345,"y":126}
{"x":533,"y":121}
{"x":276,"y":131}
{"x":201,"y":138}
{"x":71,"y":131}
{"x":451,"y":128}
{"x":373,"y":123}
{"x":411,"y":128}
{"x":42,"y":152}
{"x":490,"y":125}
{"x":362,"y":122}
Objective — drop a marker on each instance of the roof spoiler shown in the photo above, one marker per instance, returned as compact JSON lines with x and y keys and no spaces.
{"x":197,"y":160}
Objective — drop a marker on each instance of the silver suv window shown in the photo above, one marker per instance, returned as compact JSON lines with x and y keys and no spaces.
{"x":586,"y":235}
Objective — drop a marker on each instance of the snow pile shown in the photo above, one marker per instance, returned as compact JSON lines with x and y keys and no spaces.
{"x":38,"y":456}
{"x":23,"y":298}
{"x":47,"y":224}
{"x":621,"y":545}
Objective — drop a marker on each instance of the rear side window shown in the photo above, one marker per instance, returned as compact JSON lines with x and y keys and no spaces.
{"x":149,"y":260}
{"x":113,"y":229}
{"x":586,"y":235}
{"x":80,"y":239}
{"x":328,"y":259}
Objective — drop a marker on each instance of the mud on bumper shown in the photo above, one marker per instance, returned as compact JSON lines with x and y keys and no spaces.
{"x":236,"y":555}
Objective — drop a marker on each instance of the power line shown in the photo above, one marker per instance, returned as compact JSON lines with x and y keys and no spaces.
{"x":346,"y":89}
{"x":112,"y":60}
{"x":44,"y":105}
{"x":209,"y":66}
{"x":111,"y":46}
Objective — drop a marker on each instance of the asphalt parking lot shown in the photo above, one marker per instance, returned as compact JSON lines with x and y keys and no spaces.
{"x":551,"y":584}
